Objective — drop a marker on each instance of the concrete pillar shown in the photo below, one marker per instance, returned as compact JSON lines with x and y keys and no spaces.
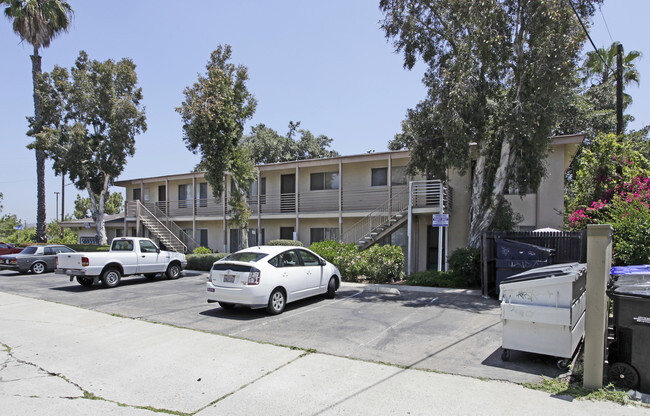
{"x":599,"y":260}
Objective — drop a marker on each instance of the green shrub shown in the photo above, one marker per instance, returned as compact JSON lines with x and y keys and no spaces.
{"x":379,"y":264}
{"x":88,"y":247}
{"x":284,"y":243}
{"x":434,"y":278}
{"x":466,"y":262}
{"x":202,"y":250}
{"x":203,"y":262}
{"x":384,"y":264}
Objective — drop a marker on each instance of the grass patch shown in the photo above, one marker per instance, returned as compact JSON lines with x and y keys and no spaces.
{"x":566,"y":387}
{"x":434,"y":278}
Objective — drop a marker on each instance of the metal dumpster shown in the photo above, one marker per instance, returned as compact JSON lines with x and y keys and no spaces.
{"x":628,"y":357}
{"x":543,"y":311}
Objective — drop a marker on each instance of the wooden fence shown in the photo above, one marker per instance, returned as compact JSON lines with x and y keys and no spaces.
{"x":568,"y":247}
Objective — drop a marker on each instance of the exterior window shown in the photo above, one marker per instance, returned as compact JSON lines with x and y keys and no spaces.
{"x":184,"y":195}
{"x":398,"y":175}
{"x":262,"y":190}
{"x":203,"y":237}
{"x":286,"y":233}
{"x":137,"y":194}
{"x":119,"y":232}
{"x":324,"y":180}
{"x":379,"y":177}
{"x":146,"y":195}
{"x":203,"y":195}
{"x":323,"y":234}
{"x":235,"y":239}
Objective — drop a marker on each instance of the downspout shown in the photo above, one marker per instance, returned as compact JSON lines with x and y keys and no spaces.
{"x":259,"y":208}
{"x":340,"y":200}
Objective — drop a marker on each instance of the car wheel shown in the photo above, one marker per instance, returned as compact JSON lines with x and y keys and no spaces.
{"x":173,"y":271}
{"x":111,"y":277}
{"x":85,"y":281}
{"x":38,"y":268}
{"x":331,"y":288}
{"x":277,"y":301}
{"x":226,"y":305}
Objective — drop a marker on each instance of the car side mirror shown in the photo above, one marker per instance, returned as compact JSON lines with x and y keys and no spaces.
{"x":158,"y":250}
{"x":322,"y":262}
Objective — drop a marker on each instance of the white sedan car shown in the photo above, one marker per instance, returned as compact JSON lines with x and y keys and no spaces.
{"x":270,"y":277}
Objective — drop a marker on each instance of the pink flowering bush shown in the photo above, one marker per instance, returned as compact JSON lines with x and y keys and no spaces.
{"x":627,"y":209}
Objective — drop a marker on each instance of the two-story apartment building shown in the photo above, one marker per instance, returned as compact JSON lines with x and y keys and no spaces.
{"x":363,"y":199}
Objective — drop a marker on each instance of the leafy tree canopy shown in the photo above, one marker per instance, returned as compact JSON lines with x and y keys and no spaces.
{"x":268,"y":146}
{"x":215,"y":109}
{"x":499,"y":75}
{"x":114,"y":204}
{"x":91,"y":115}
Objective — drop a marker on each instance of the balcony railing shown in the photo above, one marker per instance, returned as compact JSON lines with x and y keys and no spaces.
{"x":367,"y":199}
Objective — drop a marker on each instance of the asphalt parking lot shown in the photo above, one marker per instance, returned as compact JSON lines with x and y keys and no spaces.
{"x":442,"y":331}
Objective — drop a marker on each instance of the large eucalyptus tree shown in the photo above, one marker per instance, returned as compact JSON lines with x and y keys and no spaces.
{"x":499,"y":73}
{"x":38,"y":22}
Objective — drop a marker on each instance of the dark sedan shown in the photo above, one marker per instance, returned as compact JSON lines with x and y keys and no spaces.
{"x":35,"y":259}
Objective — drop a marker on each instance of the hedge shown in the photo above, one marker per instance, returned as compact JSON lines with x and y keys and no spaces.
{"x":378,"y":264}
{"x":203,"y":262}
{"x":284,"y":243}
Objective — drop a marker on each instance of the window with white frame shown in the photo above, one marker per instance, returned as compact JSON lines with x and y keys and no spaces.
{"x":324,"y":180}
{"x":185,"y":195}
{"x":323,"y":234}
{"x":379,"y":177}
{"x":398,"y":175}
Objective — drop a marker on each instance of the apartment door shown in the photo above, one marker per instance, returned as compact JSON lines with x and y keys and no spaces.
{"x":162,"y":198}
{"x":288,"y":193}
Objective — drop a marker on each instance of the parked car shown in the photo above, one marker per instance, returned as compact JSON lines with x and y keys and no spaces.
{"x":270,"y":277}
{"x":127,"y":257}
{"x":8,"y":248}
{"x":35,"y":259}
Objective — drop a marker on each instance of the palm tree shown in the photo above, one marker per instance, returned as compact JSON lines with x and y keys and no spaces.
{"x":38,"y":22}
{"x":595,"y":70}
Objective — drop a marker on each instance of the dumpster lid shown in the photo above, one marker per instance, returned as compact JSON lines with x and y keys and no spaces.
{"x":639,"y":291}
{"x":555,"y":270}
{"x":523,"y":245}
{"x":627,"y":270}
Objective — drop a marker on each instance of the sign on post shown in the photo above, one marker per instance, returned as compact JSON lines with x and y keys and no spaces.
{"x":19,"y":227}
{"x":441,"y":220}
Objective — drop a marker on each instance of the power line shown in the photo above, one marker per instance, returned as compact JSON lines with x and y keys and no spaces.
{"x":605,"y":21}
{"x":589,"y":36}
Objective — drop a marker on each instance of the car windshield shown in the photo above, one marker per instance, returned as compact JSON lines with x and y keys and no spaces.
{"x":29,"y":250}
{"x":247,"y":256}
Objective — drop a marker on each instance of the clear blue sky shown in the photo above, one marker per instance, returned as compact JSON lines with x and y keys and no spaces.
{"x":323,"y":63}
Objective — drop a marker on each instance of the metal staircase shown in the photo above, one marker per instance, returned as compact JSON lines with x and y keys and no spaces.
{"x":379,"y":223}
{"x":388,"y":217}
{"x":168,"y":232}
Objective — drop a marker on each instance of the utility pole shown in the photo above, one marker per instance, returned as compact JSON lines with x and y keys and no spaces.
{"x":619,"y":89}
{"x":57,"y":204}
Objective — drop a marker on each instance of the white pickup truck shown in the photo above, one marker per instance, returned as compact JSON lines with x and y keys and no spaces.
{"x":128,"y":256}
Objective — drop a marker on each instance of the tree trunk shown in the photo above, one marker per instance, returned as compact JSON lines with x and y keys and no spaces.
{"x":40,"y":155}
{"x":481,"y":215}
{"x":97,"y":210}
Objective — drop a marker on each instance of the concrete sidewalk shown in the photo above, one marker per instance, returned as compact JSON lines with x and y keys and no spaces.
{"x":59,"y":359}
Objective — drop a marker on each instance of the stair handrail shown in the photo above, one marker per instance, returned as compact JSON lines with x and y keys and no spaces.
{"x":378,"y":217}
{"x":189,"y":242}
{"x":156,"y":219}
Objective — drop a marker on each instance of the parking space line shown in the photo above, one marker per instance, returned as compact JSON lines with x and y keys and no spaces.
{"x":285,"y":315}
{"x":395,"y":325}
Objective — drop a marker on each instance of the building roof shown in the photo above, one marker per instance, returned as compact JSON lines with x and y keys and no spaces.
{"x":363,"y":157}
